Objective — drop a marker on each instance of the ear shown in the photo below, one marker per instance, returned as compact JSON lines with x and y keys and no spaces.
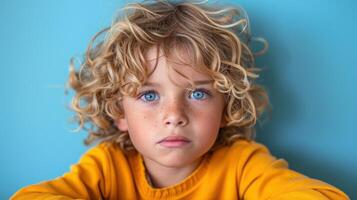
{"x":122,"y":124}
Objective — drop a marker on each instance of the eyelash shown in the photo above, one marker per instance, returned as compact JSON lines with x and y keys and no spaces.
{"x":205,"y":91}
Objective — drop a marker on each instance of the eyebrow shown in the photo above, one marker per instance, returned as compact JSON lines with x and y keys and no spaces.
{"x":200,"y":82}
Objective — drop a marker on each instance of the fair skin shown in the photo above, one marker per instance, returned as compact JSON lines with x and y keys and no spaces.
{"x":172,"y":126}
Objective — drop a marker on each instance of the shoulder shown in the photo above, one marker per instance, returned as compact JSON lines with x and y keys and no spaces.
{"x":247,"y":146}
{"x":108,"y":148}
{"x":260,"y":175}
{"x":243,"y":149}
{"x":247,"y":155}
{"x":103,"y":154}
{"x":106,"y":159}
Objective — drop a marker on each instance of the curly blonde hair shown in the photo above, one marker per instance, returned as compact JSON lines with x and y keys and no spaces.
{"x":218,"y":38}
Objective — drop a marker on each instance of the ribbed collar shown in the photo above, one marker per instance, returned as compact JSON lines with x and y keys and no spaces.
{"x":148,"y":192}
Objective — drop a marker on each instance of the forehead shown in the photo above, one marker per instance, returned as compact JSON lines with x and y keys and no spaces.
{"x":178,"y":64}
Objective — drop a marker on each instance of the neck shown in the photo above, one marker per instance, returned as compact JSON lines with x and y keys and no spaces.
{"x":164,"y":176}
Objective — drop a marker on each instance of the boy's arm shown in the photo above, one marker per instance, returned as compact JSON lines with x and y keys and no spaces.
{"x":86,"y":180}
{"x":264,"y":177}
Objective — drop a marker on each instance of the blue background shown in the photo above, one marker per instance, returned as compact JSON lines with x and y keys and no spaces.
{"x":309,"y":71}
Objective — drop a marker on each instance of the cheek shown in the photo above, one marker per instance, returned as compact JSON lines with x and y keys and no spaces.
{"x":140,"y":124}
{"x":137,"y":114}
{"x":138,"y":121}
{"x":208,"y":120}
{"x":211,"y":124}
{"x":139,"y":130}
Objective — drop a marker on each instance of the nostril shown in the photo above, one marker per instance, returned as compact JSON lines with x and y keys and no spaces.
{"x":175,"y":122}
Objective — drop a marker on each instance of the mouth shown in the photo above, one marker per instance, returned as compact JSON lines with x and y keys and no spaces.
{"x":174,"y":141}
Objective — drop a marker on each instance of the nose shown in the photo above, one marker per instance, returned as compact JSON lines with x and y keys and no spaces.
{"x":175,"y":114}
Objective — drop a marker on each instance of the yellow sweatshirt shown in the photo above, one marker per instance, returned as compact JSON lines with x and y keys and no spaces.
{"x":244,"y":170}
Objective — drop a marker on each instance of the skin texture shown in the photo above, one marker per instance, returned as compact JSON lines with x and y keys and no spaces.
{"x":171,"y":110}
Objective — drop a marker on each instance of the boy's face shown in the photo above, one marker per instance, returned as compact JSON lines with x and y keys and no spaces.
{"x":169,"y":124}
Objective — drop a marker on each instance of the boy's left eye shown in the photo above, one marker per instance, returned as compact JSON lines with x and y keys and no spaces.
{"x":199,"y":94}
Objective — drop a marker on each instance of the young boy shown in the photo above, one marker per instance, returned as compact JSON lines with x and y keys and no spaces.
{"x":170,"y":95}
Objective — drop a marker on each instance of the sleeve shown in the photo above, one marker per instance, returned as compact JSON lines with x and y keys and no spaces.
{"x":262,"y":176}
{"x":85,"y":180}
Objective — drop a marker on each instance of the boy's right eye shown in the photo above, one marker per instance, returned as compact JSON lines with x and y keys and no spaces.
{"x":149,"y":96}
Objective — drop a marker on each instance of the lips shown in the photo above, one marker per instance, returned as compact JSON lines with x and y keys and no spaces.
{"x":175,"y":138}
{"x":174,"y":141}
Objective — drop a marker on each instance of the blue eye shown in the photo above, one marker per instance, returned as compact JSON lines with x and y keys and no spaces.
{"x":149,"y":96}
{"x":198,"y":94}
